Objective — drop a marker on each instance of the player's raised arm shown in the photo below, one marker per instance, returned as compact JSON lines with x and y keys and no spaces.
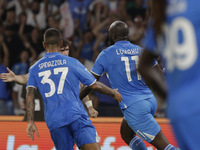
{"x":11,"y":77}
{"x":30,"y":106}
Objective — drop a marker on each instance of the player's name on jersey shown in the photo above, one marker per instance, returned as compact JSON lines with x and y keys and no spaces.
{"x":52,"y":63}
{"x":127,"y":51}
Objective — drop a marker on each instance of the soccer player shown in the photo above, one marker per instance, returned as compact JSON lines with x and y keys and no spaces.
{"x":120,"y":62}
{"x":22,"y":79}
{"x":175,"y":35}
{"x":57,"y":78}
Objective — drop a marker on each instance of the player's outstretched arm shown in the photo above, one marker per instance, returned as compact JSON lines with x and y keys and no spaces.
{"x":11,"y":77}
{"x":152,"y":76}
{"x":101,"y":88}
{"x":30,"y":106}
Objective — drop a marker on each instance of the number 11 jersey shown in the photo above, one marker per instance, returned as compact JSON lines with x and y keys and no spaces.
{"x":120,"y":62}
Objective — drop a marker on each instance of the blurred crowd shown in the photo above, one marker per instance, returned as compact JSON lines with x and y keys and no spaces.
{"x":84,"y":22}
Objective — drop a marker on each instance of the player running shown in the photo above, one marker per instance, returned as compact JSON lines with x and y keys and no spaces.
{"x":175,"y":34}
{"x":22,"y":79}
{"x":57,"y":78}
{"x":120,"y":62}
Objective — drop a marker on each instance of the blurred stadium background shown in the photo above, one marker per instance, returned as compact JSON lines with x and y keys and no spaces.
{"x":85,"y":24}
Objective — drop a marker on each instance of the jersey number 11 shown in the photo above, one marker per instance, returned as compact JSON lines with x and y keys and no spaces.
{"x":127,"y":67}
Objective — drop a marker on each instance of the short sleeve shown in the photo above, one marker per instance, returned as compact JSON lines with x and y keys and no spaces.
{"x":31,"y":79}
{"x":84,"y":75}
{"x":100,"y":64}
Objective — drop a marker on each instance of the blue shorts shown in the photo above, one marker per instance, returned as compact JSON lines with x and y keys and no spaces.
{"x":81,"y":131}
{"x":62,"y":138}
{"x":187,"y":132}
{"x":139,"y":117}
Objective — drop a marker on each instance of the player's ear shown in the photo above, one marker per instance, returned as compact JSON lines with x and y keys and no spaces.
{"x":44,"y":45}
{"x":113,"y":36}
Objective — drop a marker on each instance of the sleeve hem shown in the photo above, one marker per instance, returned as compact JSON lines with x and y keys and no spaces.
{"x":93,"y":82}
{"x":95,"y":73}
{"x":31,"y":86}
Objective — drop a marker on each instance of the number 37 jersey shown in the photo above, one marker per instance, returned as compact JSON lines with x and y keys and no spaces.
{"x":120,"y":62}
{"x":57,"y":78}
{"x":179,"y":46}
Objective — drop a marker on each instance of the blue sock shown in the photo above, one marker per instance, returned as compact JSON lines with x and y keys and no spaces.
{"x":137,"y":144}
{"x":170,"y":147}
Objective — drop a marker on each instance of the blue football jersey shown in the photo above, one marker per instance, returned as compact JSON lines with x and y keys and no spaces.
{"x":57,"y":78}
{"x":120,"y":62}
{"x":179,"y":46}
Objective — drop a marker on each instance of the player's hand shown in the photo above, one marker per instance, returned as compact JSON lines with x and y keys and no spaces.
{"x":117,"y":96}
{"x":92,"y":112}
{"x":31,"y":129}
{"x":8,"y":77}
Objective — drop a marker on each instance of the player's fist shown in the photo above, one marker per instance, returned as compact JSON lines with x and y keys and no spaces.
{"x":92,"y":112}
{"x":116,"y":95}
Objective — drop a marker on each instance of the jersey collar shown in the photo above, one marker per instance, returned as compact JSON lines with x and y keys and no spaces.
{"x":122,"y":42}
{"x":52,"y":54}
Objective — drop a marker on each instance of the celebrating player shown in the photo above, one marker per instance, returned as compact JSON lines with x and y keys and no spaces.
{"x":175,"y":34}
{"x":22,"y":79}
{"x":57,"y":78}
{"x":120,"y":62}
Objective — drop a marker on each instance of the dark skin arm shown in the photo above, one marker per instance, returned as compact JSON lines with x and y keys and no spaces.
{"x":85,"y":90}
{"x":101,"y":88}
{"x":30,"y":106}
{"x":153,"y":77}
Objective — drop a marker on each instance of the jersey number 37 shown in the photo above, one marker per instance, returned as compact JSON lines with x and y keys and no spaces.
{"x":46,"y":79}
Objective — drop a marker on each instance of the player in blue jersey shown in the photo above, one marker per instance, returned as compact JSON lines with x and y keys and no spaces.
{"x":57,"y":78}
{"x":175,"y":35}
{"x":138,"y":106}
{"x":22,"y":79}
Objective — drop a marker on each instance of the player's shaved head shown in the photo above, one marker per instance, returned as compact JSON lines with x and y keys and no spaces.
{"x":52,"y":36}
{"x":118,"y":30}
